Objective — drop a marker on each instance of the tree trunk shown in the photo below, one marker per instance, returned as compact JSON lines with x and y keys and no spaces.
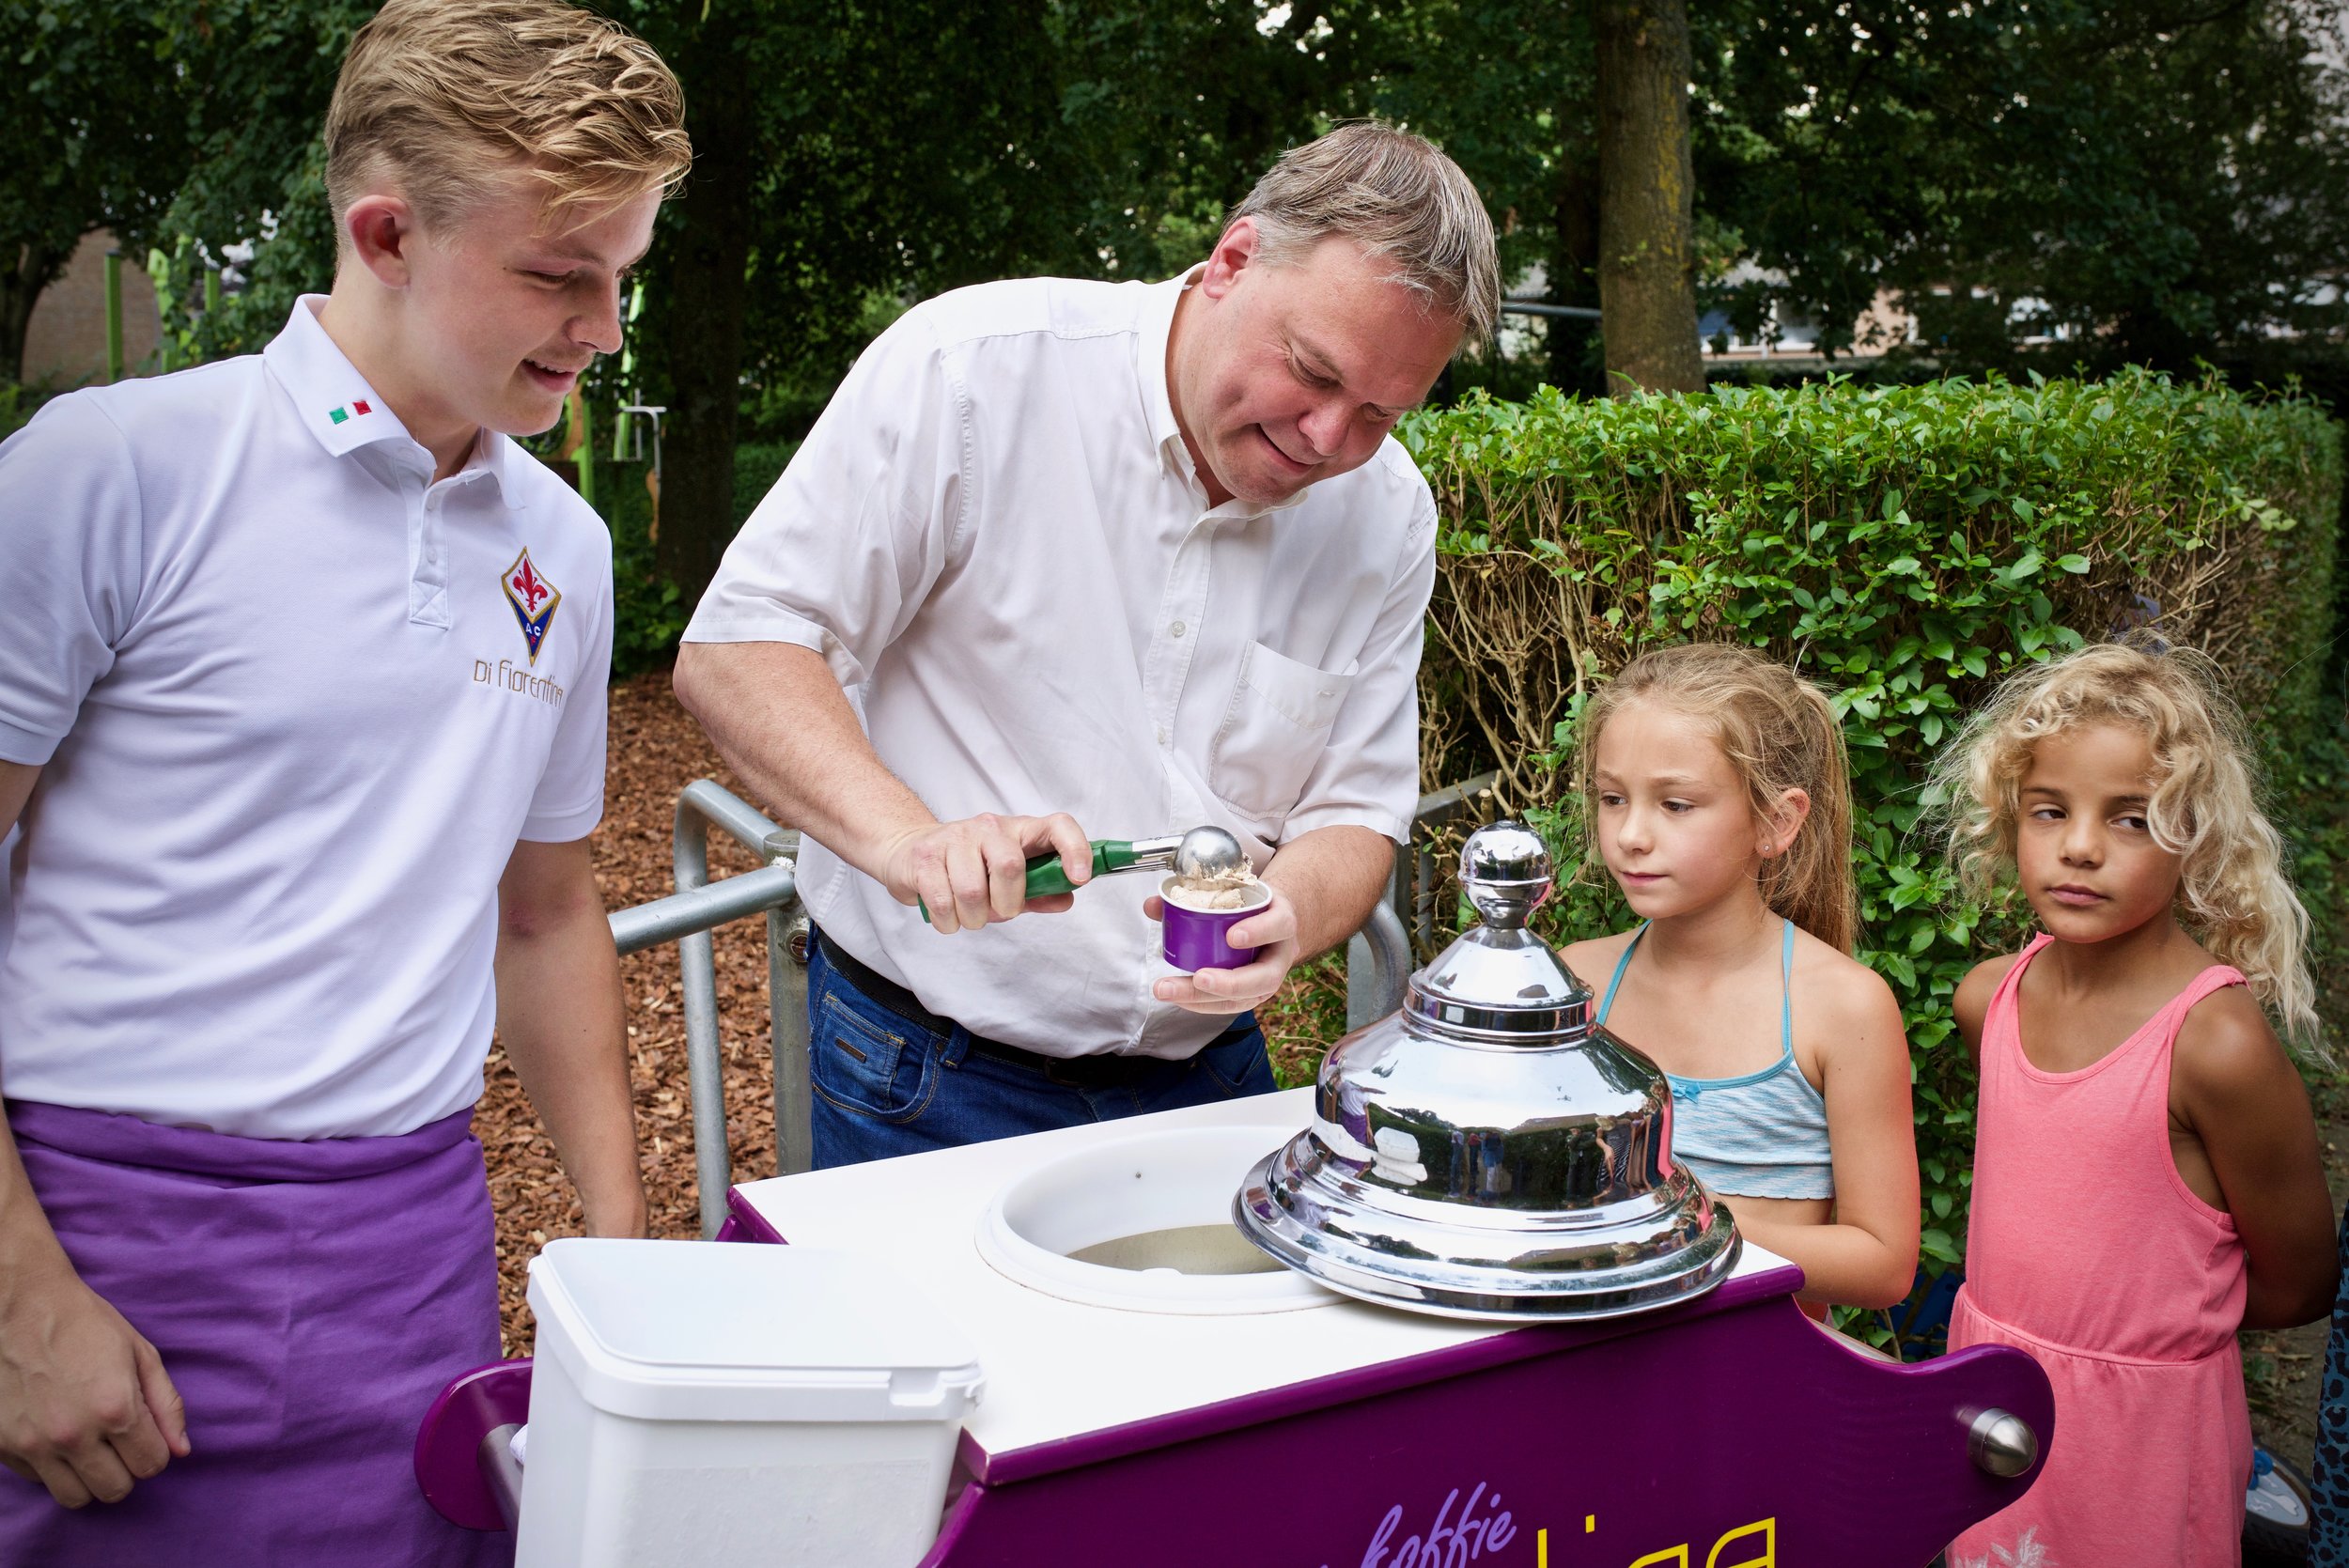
{"x":1574,"y":277}
{"x":1647,"y":261}
{"x":708,"y":295}
{"x":37,"y":267}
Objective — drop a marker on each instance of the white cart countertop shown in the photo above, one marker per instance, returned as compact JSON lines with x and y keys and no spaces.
{"x":1057,"y":1370}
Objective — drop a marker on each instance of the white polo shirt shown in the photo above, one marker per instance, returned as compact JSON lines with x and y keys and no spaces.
{"x":995,"y":536}
{"x":293,"y":704}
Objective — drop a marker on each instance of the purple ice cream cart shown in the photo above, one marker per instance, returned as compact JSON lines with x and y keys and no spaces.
{"x":1454,"y":1305}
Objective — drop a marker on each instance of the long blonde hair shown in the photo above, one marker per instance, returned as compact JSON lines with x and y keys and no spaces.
{"x":2233,"y":894}
{"x":1778,"y":732}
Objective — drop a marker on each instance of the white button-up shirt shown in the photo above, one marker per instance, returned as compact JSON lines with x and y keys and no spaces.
{"x":293,"y":700}
{"x":996,"y":538}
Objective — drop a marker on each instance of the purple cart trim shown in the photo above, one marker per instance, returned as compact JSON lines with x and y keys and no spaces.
{"x":1268,"y":1405}
{"x":449,"y":1444}
{"x":745,"y":1224}
{"x":1747,"y":1426}
{"x":959,"y":1515}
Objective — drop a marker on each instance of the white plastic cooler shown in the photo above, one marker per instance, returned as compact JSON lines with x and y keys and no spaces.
{"x":696,"y":1403}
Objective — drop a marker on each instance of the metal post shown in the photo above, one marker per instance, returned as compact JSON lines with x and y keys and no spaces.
{"x":704,"y":803}
{"x":585,"y":453}
{"x":786,"y":1019}
{"x":705,"y":1072}
{"x":114,"y":315}
{"x":1378,"y":967}
{"x":1414,"y":895}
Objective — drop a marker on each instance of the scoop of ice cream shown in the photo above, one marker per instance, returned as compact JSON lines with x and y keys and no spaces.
{"x":1231,"y":890}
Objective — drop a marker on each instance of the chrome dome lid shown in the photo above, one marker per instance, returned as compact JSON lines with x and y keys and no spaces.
{"x":1488,"y":1152}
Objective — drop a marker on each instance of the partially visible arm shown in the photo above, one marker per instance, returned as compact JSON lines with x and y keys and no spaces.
{"x":1324,"y":884}
{"x":776,"y":712}
{"x":561,"y":1017}
{"x":1866,"y":1255}
{"x":86,"y":1407}
{"x":16,"y":788}
{"x":2243,"y":1100}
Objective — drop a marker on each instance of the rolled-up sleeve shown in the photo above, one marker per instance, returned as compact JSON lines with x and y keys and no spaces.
{"x":1368,"y":774}
{"x":843,"y":551}
{"x":70,"y":559}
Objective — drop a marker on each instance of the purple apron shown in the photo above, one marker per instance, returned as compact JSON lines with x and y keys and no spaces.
{"x":308,"y":1300}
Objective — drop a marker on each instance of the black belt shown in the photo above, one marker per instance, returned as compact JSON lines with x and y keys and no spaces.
{"x":1077,"y":1072}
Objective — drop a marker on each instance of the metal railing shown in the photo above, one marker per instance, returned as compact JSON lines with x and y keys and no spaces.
{"x":685,"y":918}
{"x":1378,"y":963}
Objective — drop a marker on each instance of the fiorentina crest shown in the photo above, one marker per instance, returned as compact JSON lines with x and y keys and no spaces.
{"x":534,"y":600}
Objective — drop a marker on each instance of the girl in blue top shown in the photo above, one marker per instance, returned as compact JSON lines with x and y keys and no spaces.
{"x":1715,"y":789}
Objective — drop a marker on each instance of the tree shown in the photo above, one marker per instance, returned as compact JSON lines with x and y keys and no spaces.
{"x":2154,"y":180}
{"x":1647,"y":210}
{"x":846,"y":156}
{"x":97,"y":146}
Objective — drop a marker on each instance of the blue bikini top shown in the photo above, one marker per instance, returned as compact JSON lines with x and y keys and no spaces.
{"x":1762,"y":1135}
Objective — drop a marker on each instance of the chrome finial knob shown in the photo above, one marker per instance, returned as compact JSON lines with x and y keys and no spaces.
{"x":1506,"y":871}
{"x":2001,"y":1443}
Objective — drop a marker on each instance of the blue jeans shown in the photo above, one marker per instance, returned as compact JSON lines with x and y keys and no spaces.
{"x":886,"y":1083}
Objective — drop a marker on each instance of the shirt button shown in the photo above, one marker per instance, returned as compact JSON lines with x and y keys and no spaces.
{"x":1162,"y":737}
{"x":1176,"y":629}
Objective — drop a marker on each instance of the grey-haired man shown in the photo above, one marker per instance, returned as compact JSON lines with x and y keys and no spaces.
{"x":1131,"y":556}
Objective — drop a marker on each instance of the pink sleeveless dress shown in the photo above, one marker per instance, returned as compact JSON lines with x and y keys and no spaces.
{"x":2088,"y":1251}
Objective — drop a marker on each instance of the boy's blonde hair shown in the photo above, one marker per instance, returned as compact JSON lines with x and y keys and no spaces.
{"x":1780,"y":733}
{"x":442,"y":98}
{"x":2233,"y":891}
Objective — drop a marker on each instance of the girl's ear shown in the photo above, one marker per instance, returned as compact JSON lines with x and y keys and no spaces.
{"x":1778,"y":833}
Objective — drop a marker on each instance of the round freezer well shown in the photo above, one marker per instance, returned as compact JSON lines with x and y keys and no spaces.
{"x":1143,"y":1225}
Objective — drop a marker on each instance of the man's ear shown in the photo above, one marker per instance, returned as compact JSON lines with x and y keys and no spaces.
{"x":1233,"y":253}
{"x":379,"y":231}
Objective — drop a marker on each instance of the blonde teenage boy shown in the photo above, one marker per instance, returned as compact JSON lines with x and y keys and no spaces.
{"x":302,"y":713}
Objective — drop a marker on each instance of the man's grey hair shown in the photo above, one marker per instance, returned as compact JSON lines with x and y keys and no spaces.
{"x":1399,"y":198}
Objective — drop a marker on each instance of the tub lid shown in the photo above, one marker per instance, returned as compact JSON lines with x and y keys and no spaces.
{"x":694,"y":1331}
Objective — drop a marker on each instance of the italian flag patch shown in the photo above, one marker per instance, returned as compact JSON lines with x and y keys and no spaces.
{"x":336,"y":416}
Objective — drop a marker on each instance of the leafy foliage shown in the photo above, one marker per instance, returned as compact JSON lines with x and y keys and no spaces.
{"x":97,"y":146}
{"x":2151,"y":179}
{"x":1903,"y":546}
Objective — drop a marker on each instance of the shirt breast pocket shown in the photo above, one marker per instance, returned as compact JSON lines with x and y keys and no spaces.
{"x":1274,"y":732}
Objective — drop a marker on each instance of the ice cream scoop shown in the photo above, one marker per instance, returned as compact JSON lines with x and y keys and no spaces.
{"x":1203,"y":851}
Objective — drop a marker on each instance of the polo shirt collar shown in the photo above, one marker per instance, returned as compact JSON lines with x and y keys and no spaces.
{"x":342,"y":412}
{"x":1157,"y":325}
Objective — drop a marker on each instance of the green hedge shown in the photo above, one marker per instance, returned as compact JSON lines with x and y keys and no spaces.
{"x":1904,"y":546}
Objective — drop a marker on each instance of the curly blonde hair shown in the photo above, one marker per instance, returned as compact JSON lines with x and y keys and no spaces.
{"x":2233,"y":892}
{"x":444,"y":97}
{"x":1780,"y":733}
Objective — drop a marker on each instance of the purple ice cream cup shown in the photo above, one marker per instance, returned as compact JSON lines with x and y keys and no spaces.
{"x":1194,"y":939}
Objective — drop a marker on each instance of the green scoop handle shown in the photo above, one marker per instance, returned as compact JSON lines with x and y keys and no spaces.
{"x":1046,"y":876}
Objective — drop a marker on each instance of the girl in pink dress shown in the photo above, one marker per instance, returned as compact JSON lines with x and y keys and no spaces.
{"x":2146,"y":1174}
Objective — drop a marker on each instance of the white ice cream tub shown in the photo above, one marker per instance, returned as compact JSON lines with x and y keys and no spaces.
{"x":710,"y":1405}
